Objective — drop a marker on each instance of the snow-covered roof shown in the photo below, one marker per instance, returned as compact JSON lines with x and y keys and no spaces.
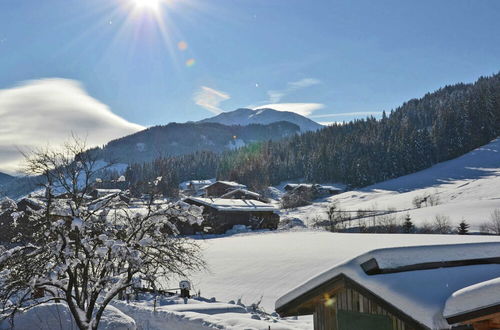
{"x":417,"y":291}
{"x":310,"y":185}
{"x":228,"y":183}
{"x":223,"y":204}
{"x":244,"y":191}
{"x":473,"y":298}
{"x":108,"y":191}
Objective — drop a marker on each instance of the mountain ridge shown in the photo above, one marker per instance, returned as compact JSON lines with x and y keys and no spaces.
{"x":246,"y":116}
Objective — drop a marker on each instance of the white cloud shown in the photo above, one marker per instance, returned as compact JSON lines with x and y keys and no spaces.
{"x":348,"y":114}
{"x":46,"y":112}
{"x":304,"y":109}
{"x":210,"y":99}
{"x":275,"y":96}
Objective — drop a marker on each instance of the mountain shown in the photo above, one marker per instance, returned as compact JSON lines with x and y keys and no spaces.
{"x":245,"y":116}
{"x":4,"y":178}
{"x":179,"y":139}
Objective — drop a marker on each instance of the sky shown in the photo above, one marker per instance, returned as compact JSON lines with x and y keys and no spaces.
{"x":106,"y":68}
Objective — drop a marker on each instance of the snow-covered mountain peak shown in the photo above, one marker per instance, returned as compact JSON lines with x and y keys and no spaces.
{"x":244,"y":116}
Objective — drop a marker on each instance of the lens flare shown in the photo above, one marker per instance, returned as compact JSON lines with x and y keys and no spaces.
{"x":182,"y":45}
{"x":191,"y":62}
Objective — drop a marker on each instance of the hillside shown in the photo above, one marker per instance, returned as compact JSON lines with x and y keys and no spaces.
{"x":179,"y":139}
{"x":245,"y":116}
{"x":464,"y":188}
{"x":5,"y":178}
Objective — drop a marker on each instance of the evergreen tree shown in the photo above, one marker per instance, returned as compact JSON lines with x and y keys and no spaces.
{"x":463,"y":228}
{"x":408,"y":226}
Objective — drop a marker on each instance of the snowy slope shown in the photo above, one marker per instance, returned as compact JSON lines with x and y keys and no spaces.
{"x":467,"y":188}
{"x":262,"y":116}
{"x":269,"y":264}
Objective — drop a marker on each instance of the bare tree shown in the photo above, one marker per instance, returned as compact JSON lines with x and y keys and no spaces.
{"x":442,"y":224}
{"x":85,"y":252}
{"x":494,"y":224}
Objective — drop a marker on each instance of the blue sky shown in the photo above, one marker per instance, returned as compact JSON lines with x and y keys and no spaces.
{"x":363,"y":56}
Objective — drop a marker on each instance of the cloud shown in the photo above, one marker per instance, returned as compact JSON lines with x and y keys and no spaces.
{"x":304,"y":109}
{"x":210,"y":99}
{"x":46,"y":112}
{"x":275,"y":96}
{"x":348,"y":114}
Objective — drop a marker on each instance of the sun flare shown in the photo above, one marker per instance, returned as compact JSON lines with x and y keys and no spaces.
{"x":153,"y":5}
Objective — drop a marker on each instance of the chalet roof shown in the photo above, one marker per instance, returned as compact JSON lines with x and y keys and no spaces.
{"x":415,"y":280}
{"x":241,"y":190}
{"x":227,"y":183}
{"x":472,"y":301}
{"x":108,"y":191}
{"x":311,"y":185}
{"x":239,"y":205}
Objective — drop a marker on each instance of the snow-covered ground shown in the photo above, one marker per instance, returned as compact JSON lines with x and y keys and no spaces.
{"x":266,"y":265}
{"x":466,"y":187}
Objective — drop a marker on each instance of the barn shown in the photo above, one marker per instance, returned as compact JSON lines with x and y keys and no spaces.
{"x":401,"y":289}
{"x":222,"y":214}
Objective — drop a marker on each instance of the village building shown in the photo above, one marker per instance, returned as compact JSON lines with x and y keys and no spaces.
{"x":219,"y":188}
{"x":244,"y":194}
{"x":222,"y":214}
{"x":403,"y":288}
{"x":98,"y":193}
{"x":195,"y":187}
{"x":316,"y":190}
{"x":121,"y":183}
{"x":477,"y":305}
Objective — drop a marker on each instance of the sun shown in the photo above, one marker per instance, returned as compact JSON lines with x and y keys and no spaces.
{"x":153,"y":5}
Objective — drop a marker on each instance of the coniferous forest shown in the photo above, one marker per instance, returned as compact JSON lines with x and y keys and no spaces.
{"x":439,"y":126}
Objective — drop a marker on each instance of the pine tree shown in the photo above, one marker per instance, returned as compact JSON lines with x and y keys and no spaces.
{"x":408,"y":226}
{"x":463,"y":228}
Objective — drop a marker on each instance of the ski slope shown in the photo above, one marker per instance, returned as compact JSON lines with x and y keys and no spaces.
{"x":467,"y":188}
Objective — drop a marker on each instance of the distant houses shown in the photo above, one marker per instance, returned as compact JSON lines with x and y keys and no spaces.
{"x":407,"y":288}
{"x":195,"y":187}
{"x":222,"y":214}
{"x":316,"y":190}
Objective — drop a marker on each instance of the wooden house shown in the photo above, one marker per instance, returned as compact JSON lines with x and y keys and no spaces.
{"x":476,"y":306}
{"x":244,"y":194}
{"x":222,"y":214}
{"x":195,"y":187}
{"x":403,"y":288}
{"x":316,"y":190}
{"x":219,"y":188}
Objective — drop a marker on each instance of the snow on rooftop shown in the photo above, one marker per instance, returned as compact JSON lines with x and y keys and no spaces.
{"x":475,"y":297}
{"x":245,"y":191}
{"x":229,"y":183}
{"x":420,"y":293}
{"x":223,"y":204}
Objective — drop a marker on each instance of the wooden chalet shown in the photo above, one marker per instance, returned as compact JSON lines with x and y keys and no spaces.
{"x":476,"y":306}
{"x":244,"y":194}
{"x":400,"y":289}
{"x":222,"y":214}
{"x":219,"y":188}
{"x":316,"y":190}
{"x":195,"y":187}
